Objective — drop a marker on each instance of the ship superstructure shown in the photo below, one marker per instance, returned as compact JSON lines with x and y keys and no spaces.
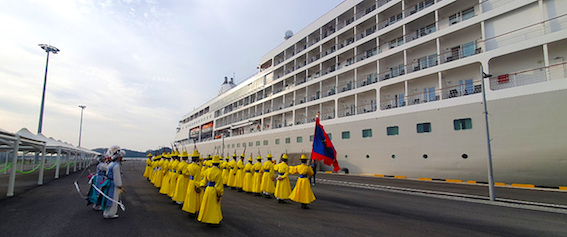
{"x":398,"y":87}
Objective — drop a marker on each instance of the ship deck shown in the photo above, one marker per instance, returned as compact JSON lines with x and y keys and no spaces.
{"x":345,"y":205}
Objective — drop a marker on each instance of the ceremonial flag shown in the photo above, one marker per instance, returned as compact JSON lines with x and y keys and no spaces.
{"x":323,"y":148}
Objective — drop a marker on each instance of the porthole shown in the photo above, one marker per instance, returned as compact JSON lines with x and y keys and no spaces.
{"x":393,"y":156}
{"x":346,"y":156}
{"x":425,"y":156}
{"x":464,"y":156}
{"x":367,"y":156}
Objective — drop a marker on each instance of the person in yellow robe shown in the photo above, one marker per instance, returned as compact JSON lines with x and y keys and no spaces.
{"x":267,"y":185}
{"x":154,"y":165}
{"x":257,"y":179}
{"x":248,"y":181}
{"x":192,"y":201}
{"x":302,"y":192}
{"x":166,"y":175}
{"x":232,"y":173}
{"x":148,"y":170}
{"x":174,"y":174}
{"x":225,"y":170}
{"x":283,"y":188}
{"x":210,"y":211}
{"x":240,"y":173}
{"x":161,"y":170}
{"x":182,"y":181}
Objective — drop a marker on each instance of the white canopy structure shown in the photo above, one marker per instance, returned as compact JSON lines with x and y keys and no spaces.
{"x":24,"y":141}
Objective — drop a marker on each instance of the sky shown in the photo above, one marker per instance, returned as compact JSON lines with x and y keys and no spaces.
{"x":137,"y":65}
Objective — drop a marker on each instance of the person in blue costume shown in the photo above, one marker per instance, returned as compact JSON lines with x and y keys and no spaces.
{"x":112,"y":187}
{"x":94,"y":197}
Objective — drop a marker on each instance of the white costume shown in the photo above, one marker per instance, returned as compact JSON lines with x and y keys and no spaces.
{"x":114,"y":176}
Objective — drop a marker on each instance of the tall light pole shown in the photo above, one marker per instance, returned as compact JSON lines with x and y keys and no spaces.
{"x":81,"y":127}
{"x":490,"y":172}
{"x":48,"y":48}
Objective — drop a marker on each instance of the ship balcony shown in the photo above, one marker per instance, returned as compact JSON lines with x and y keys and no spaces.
{"x":367,"y":80}
{"x":366,"y":107}
{"x":348,"y":110}
{"x":418,"y":7}
{"x":528,"y":77}
{"x":460,"y":51}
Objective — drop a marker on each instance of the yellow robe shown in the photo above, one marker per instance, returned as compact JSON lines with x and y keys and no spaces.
{"x":182,"y":182}
{"x":232,"y":173}
{"x":239,"y":174}
{"x":173,"y":177}
{"x":223,"y":167}
{"x":192,"y":200}
{"x":302,"y":192}
{"x":210,"y":211}
{"x":257,"y":179}
{"x":248,"y":181}
{"x":160,"y":173}
{"x":153,"y":172}
{"x":268,"y":177}
{"x":166,"y":176}
{"x":283,"y":188}
{"x":148,"y":168}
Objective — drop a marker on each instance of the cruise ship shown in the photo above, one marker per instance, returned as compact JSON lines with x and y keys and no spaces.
{"x":399,"y":88}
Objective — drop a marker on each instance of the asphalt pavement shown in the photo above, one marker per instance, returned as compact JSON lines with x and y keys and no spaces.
{"x":341,"y":209}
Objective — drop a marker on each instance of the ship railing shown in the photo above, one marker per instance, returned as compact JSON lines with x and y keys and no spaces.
{"x":368,"y":31}
{"x":299,"y":121}
{"x":488,"y":5}
{"x":348,"y":110}
{"x":365,"y":11}
{"x":366,"y":107}
{"x":465,"y":89}
{"x":329,"y":91}
{"x":423,"y":63}
{"x":390,"y":104}
{"x":329,"y":115}
{"x":314,"y":96}
{"x":419,"y":7}
{"x":538,"y":29}
{"x":531,"y":76}
{"x":425,"y":97}
{"x":346,"y":86}
{"x":367,"y":79}
{"x":366,"y":54}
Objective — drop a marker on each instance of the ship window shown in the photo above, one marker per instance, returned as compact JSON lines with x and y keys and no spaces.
{"x":423,"y":127}
{"x":265,"y":142}
{"x":232,"y":145}
{"x":250,"y":143}
{"x":330,"y":135}
{"x":244,"y":144}
{"x":238,"y":145}
{"x":311,"y":138}
{"x":367,"y":133}
{"x":257,"y":143}
{"x":299,"y":139}
{"x":287,"y":140}
{"x":462,"y":124}
{"x":277,"y":141}
{"x":394,"y":130}
{"x":345,"y":135}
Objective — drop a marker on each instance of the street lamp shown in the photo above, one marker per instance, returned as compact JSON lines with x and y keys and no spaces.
{"x":48,"y":48}
{"x":81,"y":127}
{"x":490,"y":172}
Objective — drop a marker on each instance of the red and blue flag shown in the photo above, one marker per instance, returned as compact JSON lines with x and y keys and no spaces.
{"x":323,"y":148}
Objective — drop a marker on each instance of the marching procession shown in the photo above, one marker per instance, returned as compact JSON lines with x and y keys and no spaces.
{"x":198,"y":184}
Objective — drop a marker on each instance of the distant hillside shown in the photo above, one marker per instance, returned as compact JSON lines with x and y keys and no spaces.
{"x":131,"y":153}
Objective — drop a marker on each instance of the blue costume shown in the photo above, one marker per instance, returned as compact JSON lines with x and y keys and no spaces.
{"x":93,"y":196}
